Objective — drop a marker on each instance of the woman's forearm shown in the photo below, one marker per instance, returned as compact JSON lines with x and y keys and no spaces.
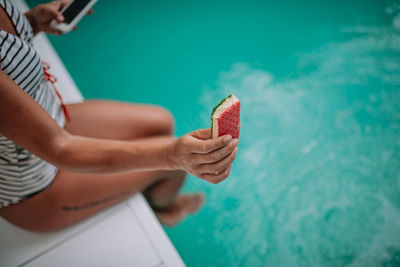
{"x":81,"y":154}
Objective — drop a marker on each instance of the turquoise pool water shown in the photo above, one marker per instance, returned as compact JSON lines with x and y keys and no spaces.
{"x":317,"y":178}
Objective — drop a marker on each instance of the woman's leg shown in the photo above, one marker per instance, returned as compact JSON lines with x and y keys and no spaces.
{"x":116,"y":120}
{"x":73,"y":196}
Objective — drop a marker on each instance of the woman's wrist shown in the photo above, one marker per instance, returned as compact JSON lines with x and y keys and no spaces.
{"x":32,"y":21}
{"x":170,"y":155}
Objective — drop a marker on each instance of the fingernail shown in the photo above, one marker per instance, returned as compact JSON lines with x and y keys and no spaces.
{"x":227,"y":138}
{"x":236,"y":141}
{"x":60,"y":17}
{"x":236,"y":150}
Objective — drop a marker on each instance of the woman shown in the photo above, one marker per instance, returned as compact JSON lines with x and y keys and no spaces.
{"x":55,"y":172}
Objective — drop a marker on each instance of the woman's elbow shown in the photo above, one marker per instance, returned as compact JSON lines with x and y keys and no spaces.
{"x":60,"y":150}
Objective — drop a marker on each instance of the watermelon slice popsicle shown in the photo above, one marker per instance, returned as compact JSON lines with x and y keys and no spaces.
{"x":225,"y":118}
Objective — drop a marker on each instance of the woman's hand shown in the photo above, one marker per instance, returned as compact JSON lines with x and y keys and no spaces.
{"x":41,"y":16}
{"x":208,"y":159}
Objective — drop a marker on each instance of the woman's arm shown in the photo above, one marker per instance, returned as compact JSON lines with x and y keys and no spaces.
{"x":25,"y":122}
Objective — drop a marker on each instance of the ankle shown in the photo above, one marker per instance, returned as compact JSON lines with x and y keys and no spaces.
{"x":159,"y":205}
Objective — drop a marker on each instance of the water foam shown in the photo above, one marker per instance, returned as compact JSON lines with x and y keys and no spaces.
{"x":316,"y":181}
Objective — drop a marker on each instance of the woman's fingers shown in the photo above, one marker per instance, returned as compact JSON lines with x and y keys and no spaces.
{"x":54,"y":10}
{"x":218,"y":154}
{"x":202,"y":134}
{"x":218,"y":177}
{"x":62,"y":4}
{"x":51,"y":30}
{"x":218,"y":166}
{"x":206,"y":146}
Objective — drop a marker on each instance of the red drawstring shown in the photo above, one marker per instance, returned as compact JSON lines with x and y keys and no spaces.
{"x":53,"y":79}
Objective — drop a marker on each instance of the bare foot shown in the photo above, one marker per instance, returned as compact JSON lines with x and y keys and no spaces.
{"x":183,"y":205}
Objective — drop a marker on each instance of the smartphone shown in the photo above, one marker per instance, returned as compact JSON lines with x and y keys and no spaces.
{"x":73,"y":13}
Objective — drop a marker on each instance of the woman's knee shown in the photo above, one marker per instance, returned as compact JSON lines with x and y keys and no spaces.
{"x":161,"y":122}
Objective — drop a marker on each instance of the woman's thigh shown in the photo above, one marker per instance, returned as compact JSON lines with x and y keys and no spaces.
{"x":73,"y":197}
{"x":118,"y":120}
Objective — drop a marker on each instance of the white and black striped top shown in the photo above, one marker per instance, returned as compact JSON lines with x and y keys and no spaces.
{"x":23,"y":174}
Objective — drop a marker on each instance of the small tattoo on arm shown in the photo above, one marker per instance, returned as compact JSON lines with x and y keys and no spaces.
{"x":95,"y":202}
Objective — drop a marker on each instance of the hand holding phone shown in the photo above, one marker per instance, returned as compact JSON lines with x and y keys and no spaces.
{"x":73,"y":13}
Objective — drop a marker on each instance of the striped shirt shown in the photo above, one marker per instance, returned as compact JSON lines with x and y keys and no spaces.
{"x":23,"y":174}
